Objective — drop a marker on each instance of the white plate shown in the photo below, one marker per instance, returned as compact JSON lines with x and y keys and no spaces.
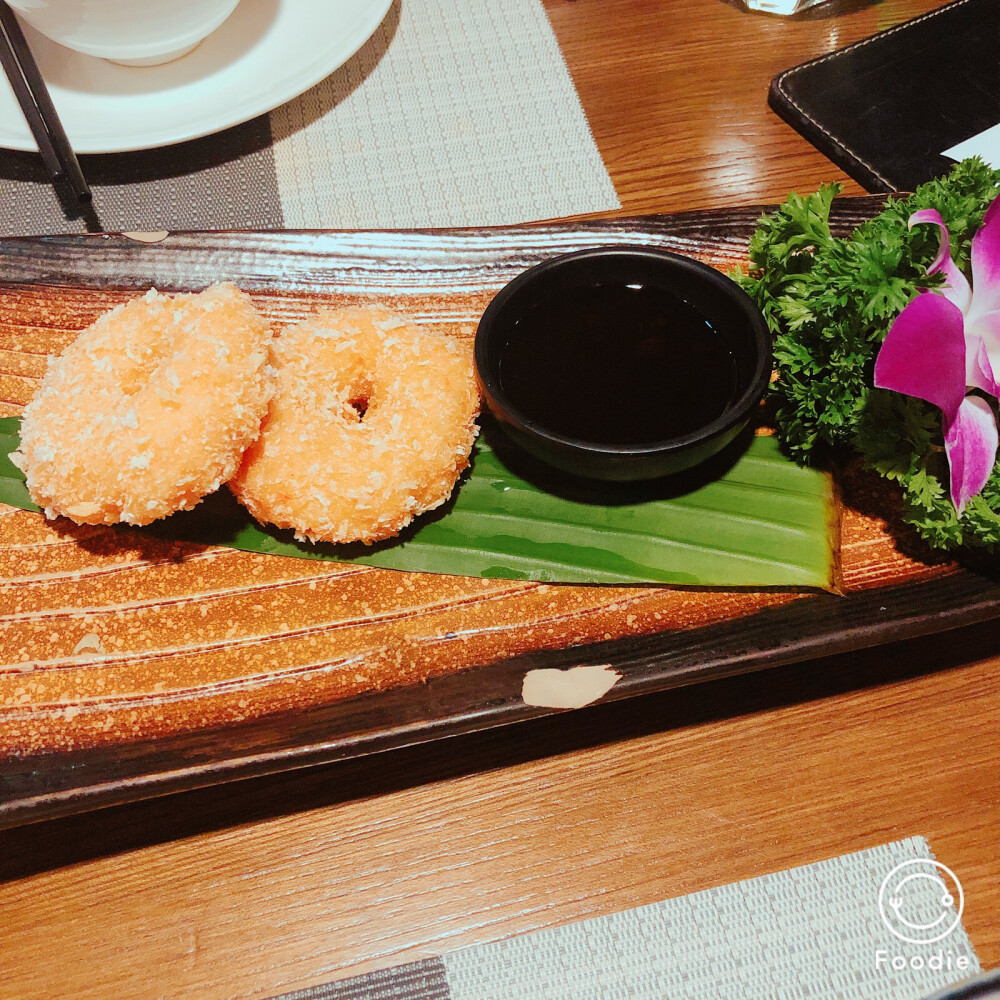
{"x":266,"y":53}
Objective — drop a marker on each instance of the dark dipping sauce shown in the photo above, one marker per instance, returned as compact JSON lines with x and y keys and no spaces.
{"x":616,"y":364}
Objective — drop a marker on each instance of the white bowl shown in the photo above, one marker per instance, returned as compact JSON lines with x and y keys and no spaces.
{"x":133,"y":32}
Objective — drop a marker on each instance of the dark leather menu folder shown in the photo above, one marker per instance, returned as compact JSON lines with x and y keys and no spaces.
{"x":886,"y":108}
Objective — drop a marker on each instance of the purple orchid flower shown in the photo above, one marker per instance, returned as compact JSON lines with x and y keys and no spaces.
{"x":942,"y":345}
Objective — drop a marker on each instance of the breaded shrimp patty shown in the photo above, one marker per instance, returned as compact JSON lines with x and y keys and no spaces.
{"x":371,"y":423}
{"x":149,"y":409}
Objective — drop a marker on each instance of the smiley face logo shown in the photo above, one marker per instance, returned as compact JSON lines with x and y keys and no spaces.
{"x":921,"y":901}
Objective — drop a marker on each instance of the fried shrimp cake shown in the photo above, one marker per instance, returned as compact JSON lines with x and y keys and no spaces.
{"x":149,"y":409}
{"x":371,"y":423}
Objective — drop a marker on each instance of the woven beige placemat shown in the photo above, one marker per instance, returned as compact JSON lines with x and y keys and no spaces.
{"x":841,"y":929}
{"x":455,"y":113}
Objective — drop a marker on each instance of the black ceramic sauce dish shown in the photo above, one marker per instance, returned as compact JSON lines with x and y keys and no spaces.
{"x":622,"y":363}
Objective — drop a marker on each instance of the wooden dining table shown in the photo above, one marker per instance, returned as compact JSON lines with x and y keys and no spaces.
{"x":258,"y":887}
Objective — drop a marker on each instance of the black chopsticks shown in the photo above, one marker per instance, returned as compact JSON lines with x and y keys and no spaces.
{"x":33,"y":96}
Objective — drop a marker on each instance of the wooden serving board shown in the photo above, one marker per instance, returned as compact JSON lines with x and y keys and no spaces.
{"x":131,"y":666}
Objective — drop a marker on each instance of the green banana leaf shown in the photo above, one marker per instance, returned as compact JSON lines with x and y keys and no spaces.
{"x":751,"y":518}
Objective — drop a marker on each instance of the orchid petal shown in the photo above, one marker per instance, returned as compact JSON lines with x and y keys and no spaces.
{"x":983,"y":358}
{"x":956,"y":288}
{"x":979,"y":372}
{"x":924,"y":354}
{"x":970,"y":442}
{"x":986,"y":262}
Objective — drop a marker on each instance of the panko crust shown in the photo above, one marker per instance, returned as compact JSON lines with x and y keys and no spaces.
{"x":150,"y":409}
{"x":332,"y":474}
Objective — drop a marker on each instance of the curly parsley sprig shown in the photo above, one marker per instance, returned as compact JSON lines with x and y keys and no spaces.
{"x":830,"y":302}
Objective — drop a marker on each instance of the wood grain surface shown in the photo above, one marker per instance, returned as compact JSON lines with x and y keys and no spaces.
{"x":280,"y":882}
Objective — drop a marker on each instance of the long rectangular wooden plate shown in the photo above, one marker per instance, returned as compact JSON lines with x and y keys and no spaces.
{"x":135,"y":666}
